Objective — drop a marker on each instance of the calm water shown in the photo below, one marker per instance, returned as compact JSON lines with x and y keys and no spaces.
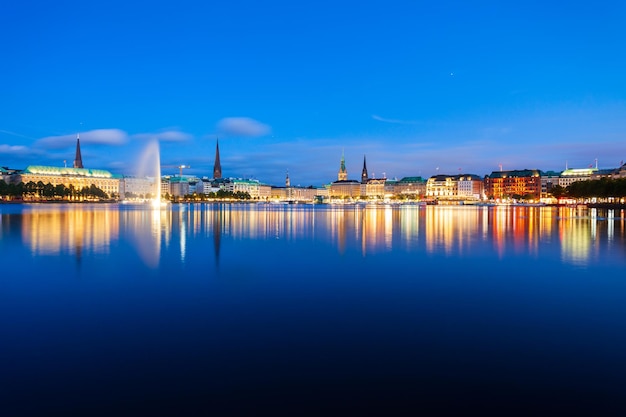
{"x":266,"y":309}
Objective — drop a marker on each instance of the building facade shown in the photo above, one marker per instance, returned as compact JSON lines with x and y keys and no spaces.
{"x":77,"y":178}
{"x":503,"y":185}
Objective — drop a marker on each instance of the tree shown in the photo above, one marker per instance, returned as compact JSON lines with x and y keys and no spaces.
{"x":557,"y":191}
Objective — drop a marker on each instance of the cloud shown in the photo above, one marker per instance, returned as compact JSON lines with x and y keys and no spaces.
{"x":13,"y":150}
{"x":242,"y":126}
{"x":113,"y":137}
{"x":165,"y":136}
{"x":394,"y":121}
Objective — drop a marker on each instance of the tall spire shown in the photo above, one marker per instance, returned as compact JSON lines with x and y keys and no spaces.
{"x":343,"y":173}
{"x":78,"y":160}
{"x":287,"y":180}
{"x":364,"y":175}
{"x":217,"y":167}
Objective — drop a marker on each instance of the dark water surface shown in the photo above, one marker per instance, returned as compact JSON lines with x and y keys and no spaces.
{"x":271,"y":309}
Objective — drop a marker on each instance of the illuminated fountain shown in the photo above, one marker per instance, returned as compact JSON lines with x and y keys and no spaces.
{"x":150,"y":166}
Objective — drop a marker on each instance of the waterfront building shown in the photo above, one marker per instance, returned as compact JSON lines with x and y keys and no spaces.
{"x":572,"y":175}
{"x":165,"y":185}
{"x":135,"y":187}
{"x":9,"y":175}
{"x":205,"y":186}
{"x":77,"y":178}
{"x":525,"y":183}
{"x":442,"y":187}
{"x":344,"y":188}
{"x":373,"y":188}
{"x":470,"y":187}
{"x":179,"y":186}
{"x":549,"y":179}
{"x":604,"y":173}
{"x":254,"y":188}
{"x":409,"y":186}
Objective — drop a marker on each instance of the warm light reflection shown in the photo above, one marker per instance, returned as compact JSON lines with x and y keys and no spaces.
{"x":368,"y":229}
{"x":50,"y":231}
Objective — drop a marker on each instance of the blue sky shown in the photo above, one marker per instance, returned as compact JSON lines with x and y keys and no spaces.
{"x":419,"y":87}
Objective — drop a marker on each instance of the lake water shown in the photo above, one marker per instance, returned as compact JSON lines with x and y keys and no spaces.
{"x":287,"y":309}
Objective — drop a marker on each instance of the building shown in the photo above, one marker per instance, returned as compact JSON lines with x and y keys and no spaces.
{"x":514,"y":184}
{"x":549,"y":180}
{"x":470,"y":187}
{"x":254,"y":188}
{"x":77,"y":178}
{"x":344,"y":188}
{"x":374,"y":188}
{"x":217,"y":166}
{"x":570,"y":176}
{"x":620,"y":172}
{"x":134,"y":187}
{"x":410,"y":186}
{"x":78,"y":159}
{"x":179,"y":186}
{"x":442,"y":187}
{"x":364,"y":176}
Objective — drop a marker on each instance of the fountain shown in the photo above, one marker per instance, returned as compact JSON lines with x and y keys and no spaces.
{"x":149,"y":166}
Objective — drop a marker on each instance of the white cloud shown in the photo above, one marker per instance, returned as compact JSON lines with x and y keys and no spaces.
{"x":13,"y":150}
{"x":114,"y":137}
{"x":242,"y":126}
{"x":165,"y":136}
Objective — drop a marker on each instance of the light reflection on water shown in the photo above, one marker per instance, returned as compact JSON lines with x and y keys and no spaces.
{"x":193,"y":308}
{"x":446,"y":230}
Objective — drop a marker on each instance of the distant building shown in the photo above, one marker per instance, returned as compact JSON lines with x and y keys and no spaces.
{"x":179,"y":186}
{"x":620,"y":172}
{"x":343,"y":187}
{"x":470,"y":187}
{"x":78,"y":178}
{"x":342,"y":175}
{"x":373,"y":188}
{"x":78,"y":159}
{"x":134,"y":187}
{"x":513,"y":184}
{"x":9,"y":175}
{"x":414,"y":186}
{"x":254,"y":188}
{"x":572,"y":175}
{"x":217,"y":166}
{"x":442,"y":187}
{"x":549,"y":179}
{"x":364,"y":175}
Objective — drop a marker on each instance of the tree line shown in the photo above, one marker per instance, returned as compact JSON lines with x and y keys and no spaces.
{"x":604,"y":188}
{"x":218,"y":195}
{"x":36,"y":191}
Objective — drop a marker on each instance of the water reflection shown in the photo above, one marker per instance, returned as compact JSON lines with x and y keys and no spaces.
{"x":74,"y":230}
{"x":577,"y":234}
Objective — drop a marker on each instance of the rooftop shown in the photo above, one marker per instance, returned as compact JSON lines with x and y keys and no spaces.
{"x":65,"y":171}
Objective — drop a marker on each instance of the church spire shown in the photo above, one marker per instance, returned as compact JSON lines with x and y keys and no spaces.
{"x":78,"y":160}
{"x":217,"y":167}
{"x":343,"y":173}
{"x":287,"y":180}
{"x":364,"y":175}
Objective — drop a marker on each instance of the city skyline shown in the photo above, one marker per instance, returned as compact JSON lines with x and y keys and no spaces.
{"x":419,"y":89}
